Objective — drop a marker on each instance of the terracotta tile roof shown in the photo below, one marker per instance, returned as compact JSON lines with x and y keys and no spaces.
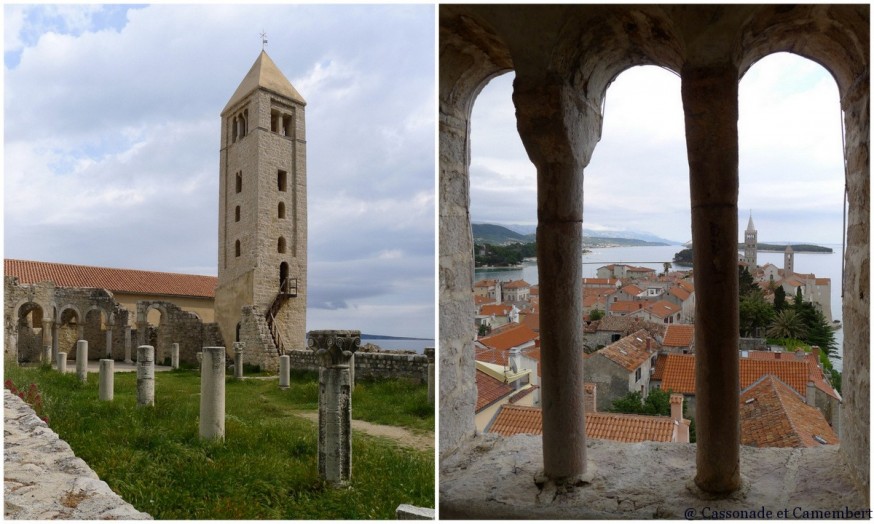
{"x":495,"y":309}
{"x":685,"y":284}
{"x":519,"y":420}
{"x":489,"y":390}
{"x":774,"y":415}
{"x":814,"y":370}
{"x":514,"y":336}
{"x":522,"y":393}
{"x":679,"y":292}
{"x":115,"y":280}
{"x":479,"y":300}
{"x":599,"y":282}
{"x":679,"y":373}
{"x":628,"y":325}
{"x":823,"y":281}
{"x":631,"y":351}
{"x":639,"y":269}
{"x":663,"y":308}
{"x":485,"y":283}
{"x":514,"y":284}
{"x":679,"y":335}
{"x":631,"y":289}
{"x":659,"y":367}
{"x":626,"y":306}
{"x":532,"y":320}
{"x":535,"y":290}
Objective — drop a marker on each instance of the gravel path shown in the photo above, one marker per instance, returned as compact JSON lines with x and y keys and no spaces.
{"x":404,"y":437}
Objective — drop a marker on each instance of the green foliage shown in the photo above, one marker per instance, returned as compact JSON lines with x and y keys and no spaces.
{"x":746,"y":284}
{"x":658,"y":402}
{"x":265,"y":469}
{"x":484,"y":329}
{"x":508,"y":255}
{"x":596,"y":314}
{"x":780,"y":299}
{"x":787,"y":324}
{"x":836,"y":379}
{"x":755,"y":313}
{"x":683,"y":257}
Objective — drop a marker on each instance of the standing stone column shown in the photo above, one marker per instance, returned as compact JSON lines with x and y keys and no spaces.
{"x":334,"y":350}
{"x":47,"y":341}
{"x":238,"y":360}
{"x":61,"y":361}
{"x":127,"y":345}
{"x":80,"y":331}
{"x":174,"y":355}
{"x":429,"y":352}
{"x":145,"y":376}
{"x":142,"y":327}
{"x":711,"y":110}
{"x":82,"y":360}
{"x":106,"y":389}
{"x":55,"y":340}
{"x":284,"y":371}
{"x":559,"y":130}
{"x":212,"y":394}
{"x":108,"y":342}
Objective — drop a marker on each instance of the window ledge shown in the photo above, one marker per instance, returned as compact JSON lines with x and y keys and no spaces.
{"x":493,"y":478}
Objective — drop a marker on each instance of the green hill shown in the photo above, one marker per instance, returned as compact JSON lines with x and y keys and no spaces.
{"x":498,"y":235}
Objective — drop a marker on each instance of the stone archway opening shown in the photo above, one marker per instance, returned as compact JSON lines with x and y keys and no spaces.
{"x":94,"y":331}
{"x":30,"y":332}
{"x":153,"y":335}
{"x":69,"y":330}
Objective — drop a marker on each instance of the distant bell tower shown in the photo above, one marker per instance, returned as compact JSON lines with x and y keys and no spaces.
{"x":788,"y":262}
{"x":262,"y":248}
{"x":751,"y":245}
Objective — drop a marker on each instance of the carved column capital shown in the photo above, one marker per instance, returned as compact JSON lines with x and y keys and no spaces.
{"x":334,"y":347}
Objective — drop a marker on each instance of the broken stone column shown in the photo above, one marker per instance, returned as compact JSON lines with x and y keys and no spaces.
{"x":174,"y":355}
{"x":334,"y":350}
{"x":127,"y":345}
{"x":710,"y":107}
{"x":559,"y":129}
{"x":429,"y":352}
{"x":212,"y":394}
{"x":46,"y":357}
{"x":61,"y":362}
{"x":284,"y":371}
{"x":106,"y":388}
{"x":82,"y":360}
{"x":238,"y":360}
{"x":145,"y":376}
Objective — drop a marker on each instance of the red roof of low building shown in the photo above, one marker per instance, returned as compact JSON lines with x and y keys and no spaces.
{"x":489,"y":390}
{"x":772,"y":414}
{"x":485,"y":283}
{"x":626,"y":306}
{"x":516,"y":335}
{"x":679,"y":373}
{"x":116,"y":280}
{"x":631,"y":289}
{"x":519,"y":420}
{"x":495,"y":309}
{"x":679,"y":335}
{"x":514,"y":284}
{"x":659,"y":371}
{"x":631,"y":351}
{"x":663,"y":308}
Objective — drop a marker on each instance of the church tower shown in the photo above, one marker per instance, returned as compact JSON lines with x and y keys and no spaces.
{"x":788,"y":262}
{"x":261,"y":294}
{"x":751,"y":245}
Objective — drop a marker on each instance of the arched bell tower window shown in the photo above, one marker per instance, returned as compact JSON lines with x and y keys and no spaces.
{"x":237,"y":248}
{"x":239,"y":181}
{"x":282,"y":179}
{"x":281,"y":245}
{"x":237,"y":214}
{"x":281,"y":212}
{"x":283,"y":277}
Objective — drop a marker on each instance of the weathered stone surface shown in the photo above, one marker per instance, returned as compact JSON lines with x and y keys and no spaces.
{"x":212,"y":394}
{"x":145,"y":376}
{"x":82,"y":360}
{"x":372,"y":365}
{"x":43,"y":479}
{"x":106,"y":386}
{"x":493,"y":478}
{"x":410,"y":512}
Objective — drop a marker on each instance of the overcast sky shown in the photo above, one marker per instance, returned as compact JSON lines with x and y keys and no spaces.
{"x":112,"y":143}
{"x":791,"y":161}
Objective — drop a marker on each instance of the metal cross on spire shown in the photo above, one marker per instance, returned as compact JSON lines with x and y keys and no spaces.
{"x":263,"y":40}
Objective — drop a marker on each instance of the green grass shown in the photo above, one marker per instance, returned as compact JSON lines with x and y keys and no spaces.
{"x":267,"y":466}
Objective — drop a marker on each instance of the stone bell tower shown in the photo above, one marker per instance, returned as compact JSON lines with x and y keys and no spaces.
{"x":751,"y":246}
{"x":260,"y":298}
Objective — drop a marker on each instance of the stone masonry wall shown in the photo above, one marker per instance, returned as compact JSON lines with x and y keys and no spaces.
{"x":372,"y":365}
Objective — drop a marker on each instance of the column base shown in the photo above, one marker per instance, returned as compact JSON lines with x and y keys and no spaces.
{"x":739,"y":494}
{"x":551,"y":488}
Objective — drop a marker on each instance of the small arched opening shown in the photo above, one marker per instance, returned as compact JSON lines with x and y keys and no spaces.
{"x":280,"y":245}
{"x":30,"y":333}
{"x":284,"y":285}
{"x":281,"y":210}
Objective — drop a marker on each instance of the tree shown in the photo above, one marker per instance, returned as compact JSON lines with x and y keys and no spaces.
{"x":799,"y":298}
{"x":787,"y":324}
{"x":658,"y":402}
{"x":746,"y":284}
{"x":780,"y":299}
{"x":596,"y":314}
{"x":755,"y":313}
{"x":484,"y":329}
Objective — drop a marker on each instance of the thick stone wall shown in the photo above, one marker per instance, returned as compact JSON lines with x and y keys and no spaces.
{"x":372,"y":365}
{"x":176,"y":327}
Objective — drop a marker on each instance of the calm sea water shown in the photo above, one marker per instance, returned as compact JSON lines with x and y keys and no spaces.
{"x":823,"y":265}
{"x":412,"y":344}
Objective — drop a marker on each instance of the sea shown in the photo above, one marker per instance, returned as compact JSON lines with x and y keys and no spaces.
{"x":823,"y":265}
{"x":412,"y":344}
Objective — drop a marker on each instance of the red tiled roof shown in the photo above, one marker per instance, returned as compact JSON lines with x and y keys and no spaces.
{"x":679,"y":335}
{"x":115,"y":280}
{"x":532,"y":320}
{"x":663,"y":308}
{"x":485,"y":283}
{"x":513,"y":284}
{"x":639,"y":269}
{"x":679,"y":292}
{"x":515,"y":336}
{"x":517,"y":420}
{"x":774,"y":415}
{"x":599,"y":282}
{"x":495,"y":309}
{"x":479,"y":300}
{"x":489,"y":390}
{"x":631,"y":289}
{"x":659,"y":367}
{"x":626,"y":306}
{"x":631,"y":351}
{"x":679,"y":373}
{"x":815,"y":372}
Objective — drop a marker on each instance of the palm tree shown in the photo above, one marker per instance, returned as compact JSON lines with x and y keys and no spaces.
{"x":787,"y":324}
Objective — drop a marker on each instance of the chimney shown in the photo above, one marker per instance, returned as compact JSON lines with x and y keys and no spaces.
{"x":590,"y":402}
{"x":815,"y":351}
{"x":777,"y":355}
{"x":677,"y":417}
{"x":514,"y":360}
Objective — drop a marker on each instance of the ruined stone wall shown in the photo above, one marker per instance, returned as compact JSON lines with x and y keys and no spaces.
{"x":372,"y":365}
{"x":177,"y":326}
{"x":260,"y":350}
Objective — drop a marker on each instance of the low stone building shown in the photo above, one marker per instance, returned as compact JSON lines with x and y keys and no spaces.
{"x":622,"y":367}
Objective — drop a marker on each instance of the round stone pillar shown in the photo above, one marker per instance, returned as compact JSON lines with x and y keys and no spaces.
{"x":559,"y":129}
{"x":127,"y":345}
{"x":61,"y":362}
{"x":212,"y":394}
{"x":174,"y":355}
{"x":145,"y":376}
{"x":106,"y":389}
{"x":108,"y":342}
{"x":429,"y":353}
{"x":82,"y":360}
{"x":238,"y":360}
{"x":710,"y":106}
{"x":284,"y":371}
{"x":46,"y":357}
{"x":334,"y":350}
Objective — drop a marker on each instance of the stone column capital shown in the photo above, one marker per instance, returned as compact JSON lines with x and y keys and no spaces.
{"x":334,"y":348}
{"x":239,"y":347}
{"x":429,"y":354}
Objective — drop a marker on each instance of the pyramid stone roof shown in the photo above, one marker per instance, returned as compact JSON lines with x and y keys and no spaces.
{"x":264,"y":74}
